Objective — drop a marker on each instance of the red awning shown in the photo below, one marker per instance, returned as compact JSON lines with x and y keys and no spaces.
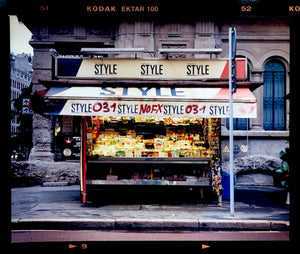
{"x":193,"y":102}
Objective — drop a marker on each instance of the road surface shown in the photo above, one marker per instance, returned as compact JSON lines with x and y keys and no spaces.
{"x":19,"y":236}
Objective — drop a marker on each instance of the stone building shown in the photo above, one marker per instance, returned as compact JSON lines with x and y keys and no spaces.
{"x":263,"y":41}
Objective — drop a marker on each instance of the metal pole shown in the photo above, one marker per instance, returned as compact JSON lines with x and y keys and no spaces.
{"x":231,"y":31}
{"x":83,"y":161}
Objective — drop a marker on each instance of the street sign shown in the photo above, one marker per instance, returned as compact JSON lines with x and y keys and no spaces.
{"x":226,"y":149}
{"x":244,"y":148}
{"x":26,"y":111}
{"x":236,"y":149}
{"x":25,"y":101}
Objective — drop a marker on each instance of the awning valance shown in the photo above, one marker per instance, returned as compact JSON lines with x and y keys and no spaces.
{"x":151,"y":102}
{"x":146,"y":83}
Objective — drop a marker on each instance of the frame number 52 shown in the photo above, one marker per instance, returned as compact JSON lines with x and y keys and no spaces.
{"x":247,"y":8}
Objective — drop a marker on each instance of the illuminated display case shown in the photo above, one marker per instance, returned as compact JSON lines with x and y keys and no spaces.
{"x":151,"y":151}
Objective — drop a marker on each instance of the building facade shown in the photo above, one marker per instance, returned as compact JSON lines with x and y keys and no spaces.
{"x":20,"y":76}
{"x":263,"y":41}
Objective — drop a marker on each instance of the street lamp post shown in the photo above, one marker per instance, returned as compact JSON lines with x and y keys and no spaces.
{"x":232,"y":90}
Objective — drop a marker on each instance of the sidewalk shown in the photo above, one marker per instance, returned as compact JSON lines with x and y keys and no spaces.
{"x":59,"y":208}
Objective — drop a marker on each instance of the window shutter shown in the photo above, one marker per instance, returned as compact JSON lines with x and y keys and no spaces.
{"x":274,"y":91}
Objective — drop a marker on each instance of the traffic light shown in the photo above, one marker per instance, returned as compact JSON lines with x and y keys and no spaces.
{"x":232,"y":57}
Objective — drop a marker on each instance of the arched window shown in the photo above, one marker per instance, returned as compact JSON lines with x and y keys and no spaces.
{"x":274,"y":91}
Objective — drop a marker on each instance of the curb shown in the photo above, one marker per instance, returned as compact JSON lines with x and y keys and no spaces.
{"x":150,"y":224}
{"x":54,"y":184}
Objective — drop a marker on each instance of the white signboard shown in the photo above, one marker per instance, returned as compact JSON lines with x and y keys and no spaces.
{"x":147,"y":69}
{"x":156,"y":109}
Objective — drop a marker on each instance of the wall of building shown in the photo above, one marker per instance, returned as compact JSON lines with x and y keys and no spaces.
{"x":257,"y":146}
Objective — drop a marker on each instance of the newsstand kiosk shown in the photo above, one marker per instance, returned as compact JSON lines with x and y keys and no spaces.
{"x":148,"y":121}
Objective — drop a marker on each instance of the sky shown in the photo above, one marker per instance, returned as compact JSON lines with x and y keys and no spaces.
{"x":19,"y":37}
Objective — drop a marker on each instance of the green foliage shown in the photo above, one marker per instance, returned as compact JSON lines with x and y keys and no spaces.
{"x":284,"y":171}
